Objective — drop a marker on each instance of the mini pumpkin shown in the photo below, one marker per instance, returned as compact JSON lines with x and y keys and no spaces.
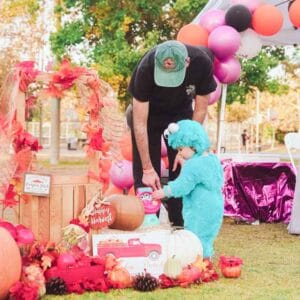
{"x":172,"y":267}
{"x":120,"y":277}
{"x":231,"y":272}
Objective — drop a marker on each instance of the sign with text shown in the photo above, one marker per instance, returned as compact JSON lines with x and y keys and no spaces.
{"x":102,"y":216}
{"x":37,"y":184}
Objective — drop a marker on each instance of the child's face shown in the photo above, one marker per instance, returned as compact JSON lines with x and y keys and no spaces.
{"x":186,"y":152}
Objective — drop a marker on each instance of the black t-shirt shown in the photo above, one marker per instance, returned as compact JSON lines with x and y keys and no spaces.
{"x":168,"y":101}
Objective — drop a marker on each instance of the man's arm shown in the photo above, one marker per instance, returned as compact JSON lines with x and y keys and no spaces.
{"x":200,"y":109}
{"x":140,"y":118}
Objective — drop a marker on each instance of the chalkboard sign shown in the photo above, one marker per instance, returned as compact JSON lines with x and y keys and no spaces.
{"x":37,"y":184}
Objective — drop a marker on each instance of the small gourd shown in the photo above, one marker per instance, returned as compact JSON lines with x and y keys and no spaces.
{"x":172,"y":267}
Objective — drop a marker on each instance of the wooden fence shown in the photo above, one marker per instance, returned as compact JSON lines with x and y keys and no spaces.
{"x":46,"y":216}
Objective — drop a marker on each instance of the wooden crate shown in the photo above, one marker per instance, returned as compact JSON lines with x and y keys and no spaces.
{"x":46,"y":216}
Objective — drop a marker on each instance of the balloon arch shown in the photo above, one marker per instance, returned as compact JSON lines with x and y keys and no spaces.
{"x":237,"y":31}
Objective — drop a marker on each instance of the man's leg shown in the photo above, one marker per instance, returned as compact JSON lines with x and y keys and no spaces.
{"x":174,"y":204}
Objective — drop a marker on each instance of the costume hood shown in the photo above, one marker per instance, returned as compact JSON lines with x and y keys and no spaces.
{"x":187,"y":133}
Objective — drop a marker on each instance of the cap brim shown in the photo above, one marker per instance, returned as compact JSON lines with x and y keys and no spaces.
{"x":168,"y":79}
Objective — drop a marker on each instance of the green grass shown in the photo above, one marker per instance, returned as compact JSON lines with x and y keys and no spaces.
{"x":271,"y":268}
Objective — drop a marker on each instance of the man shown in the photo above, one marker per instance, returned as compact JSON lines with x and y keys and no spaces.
{"x":245,"y":137}
{"x":165,"y":84}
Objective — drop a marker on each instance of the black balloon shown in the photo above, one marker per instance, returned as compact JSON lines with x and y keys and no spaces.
{"x":239,"y":17}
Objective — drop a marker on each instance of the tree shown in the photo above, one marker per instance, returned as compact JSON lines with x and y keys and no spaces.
{"x":22,"y":30}
{"x":256,"y":75}
{"x":113,"y":35}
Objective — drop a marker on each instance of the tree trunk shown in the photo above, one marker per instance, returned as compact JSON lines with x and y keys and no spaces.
{"x":55,"y":131}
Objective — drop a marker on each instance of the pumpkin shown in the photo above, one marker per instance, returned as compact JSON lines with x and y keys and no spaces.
{"x":189,"y":274}
{"x":65,"y":260}
{"x":172,"y":267}
{"x":130,"y":211}
{"x":231,"y":271}
{"x":10,"y":262}
{"x":200,"y":263}
{"x":120,"y":278}
{"x":231,"y":266}
{"x":185,"y":246}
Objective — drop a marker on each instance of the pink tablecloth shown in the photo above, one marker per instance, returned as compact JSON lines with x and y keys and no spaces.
{"x":258,"y":191}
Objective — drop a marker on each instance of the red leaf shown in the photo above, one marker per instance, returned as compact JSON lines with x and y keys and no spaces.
{"x":9,"y":199}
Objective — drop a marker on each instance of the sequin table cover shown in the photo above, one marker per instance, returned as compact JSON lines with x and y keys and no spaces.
{"x":261,"y":191}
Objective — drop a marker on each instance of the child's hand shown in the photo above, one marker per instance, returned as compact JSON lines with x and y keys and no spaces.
{"x":158,"y":194}
{"x":179,"y":160}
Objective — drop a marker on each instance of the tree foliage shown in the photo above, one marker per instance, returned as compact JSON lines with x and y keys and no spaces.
{"x":21,"y":32}
{"x":119,"y":32}
{"x":256,"y":75}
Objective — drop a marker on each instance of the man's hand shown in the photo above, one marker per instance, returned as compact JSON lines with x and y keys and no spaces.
{"x":150,"y":178}
{"x":158,"y":194}
{"x":179,"y":161}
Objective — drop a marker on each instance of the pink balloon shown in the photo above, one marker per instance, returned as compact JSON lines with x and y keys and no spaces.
{"x":212,"y":19}
{"x":228,"y":71}
{"x":224,"y":41}
{"x":164,"y":150}
{"x":121,"y":174}
{"x":251,"y":4}
{"x":215,"y":96}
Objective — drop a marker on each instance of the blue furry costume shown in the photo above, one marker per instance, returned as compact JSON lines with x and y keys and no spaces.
{"x":199,"y":184}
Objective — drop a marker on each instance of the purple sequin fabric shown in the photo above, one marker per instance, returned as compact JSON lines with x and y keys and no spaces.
{"x":258,"y":191}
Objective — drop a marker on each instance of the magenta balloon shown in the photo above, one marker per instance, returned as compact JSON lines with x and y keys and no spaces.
{"x":121,"y":174}
{"x":212,"y":19}
{"x":164,"y":150}
{"x":215,"y":96}
{"x":251,"y":4}
{"x":228,"y":71}
{"x":224,"y":41}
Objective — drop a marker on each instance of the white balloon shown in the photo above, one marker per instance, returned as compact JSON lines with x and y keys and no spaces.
{"x":250,"y":44}
{"x":251,"y":4}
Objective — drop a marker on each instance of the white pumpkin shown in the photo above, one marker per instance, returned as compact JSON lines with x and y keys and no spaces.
{"x":185,"y":246}
{"x":172,"y":267}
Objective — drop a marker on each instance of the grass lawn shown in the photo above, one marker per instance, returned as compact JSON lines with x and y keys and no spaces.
{"x":271,"y":268}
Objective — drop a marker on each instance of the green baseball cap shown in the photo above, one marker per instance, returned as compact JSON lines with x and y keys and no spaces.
{"x":170,"y":77}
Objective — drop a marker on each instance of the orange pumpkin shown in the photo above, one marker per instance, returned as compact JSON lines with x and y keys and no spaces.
{"x":130,"y":211}
{"x":231,"y":271}
{"x":10,"y":262}
{"x":120,"y":278}
{"x":113,"y":190}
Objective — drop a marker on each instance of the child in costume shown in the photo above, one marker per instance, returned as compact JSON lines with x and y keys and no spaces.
{"x":199,"y":183}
